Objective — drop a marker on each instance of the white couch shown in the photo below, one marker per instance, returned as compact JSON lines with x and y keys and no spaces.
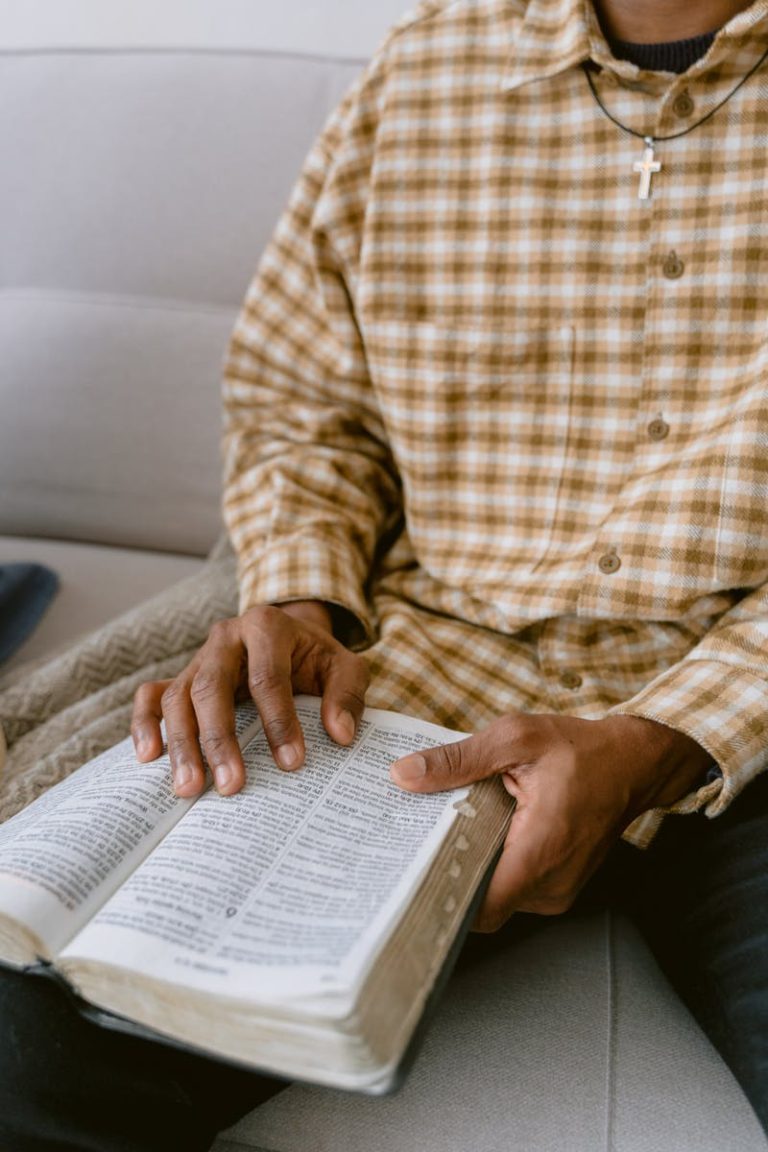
{"x":147,"y":150}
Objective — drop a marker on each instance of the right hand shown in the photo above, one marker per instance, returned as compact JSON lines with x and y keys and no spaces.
{"x":269,"y":653}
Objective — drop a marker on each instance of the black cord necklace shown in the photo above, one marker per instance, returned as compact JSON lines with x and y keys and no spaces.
{"x":649,"y":166}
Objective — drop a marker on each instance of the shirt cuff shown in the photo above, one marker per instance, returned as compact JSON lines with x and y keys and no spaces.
{"x":307,"y":567}
{"x":725,"y":710}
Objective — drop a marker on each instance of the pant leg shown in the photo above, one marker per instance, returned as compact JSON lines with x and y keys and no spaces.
{"x":700,"y":896}
{"x":67,"y":1084}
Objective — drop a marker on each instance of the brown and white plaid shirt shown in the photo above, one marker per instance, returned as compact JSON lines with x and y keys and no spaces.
{"x":467,"y":317}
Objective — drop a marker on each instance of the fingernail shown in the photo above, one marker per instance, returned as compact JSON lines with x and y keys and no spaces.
{"x":143,"y":745}
{"x":182,"y":775}
{"x":346,"y":722}
{"x":224,"y":777}
{"x":289,"y":756}
{"x":410,"y":769}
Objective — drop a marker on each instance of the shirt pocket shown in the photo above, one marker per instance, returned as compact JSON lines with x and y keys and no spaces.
{"x":478,"y":422}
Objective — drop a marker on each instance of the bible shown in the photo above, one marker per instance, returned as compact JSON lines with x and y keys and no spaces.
{"x":299,"y":927}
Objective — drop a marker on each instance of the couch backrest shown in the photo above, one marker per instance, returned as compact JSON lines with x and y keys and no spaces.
{"x":144,"y":167}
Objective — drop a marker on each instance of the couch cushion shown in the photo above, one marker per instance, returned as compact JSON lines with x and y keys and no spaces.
{"x":568,"y":1039}
{"x":139,"y":189}
{"x":97,"y":584}
{"x":111,"y":419}
{"x":339,"y":28}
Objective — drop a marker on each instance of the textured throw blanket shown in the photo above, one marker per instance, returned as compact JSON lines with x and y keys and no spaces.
{"x":57,"y":713}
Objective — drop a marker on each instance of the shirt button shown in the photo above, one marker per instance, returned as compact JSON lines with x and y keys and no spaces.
{"x":609,"y":563}
{"x":658,"y":429}
{"x":673,"y":266}
{"x":683,"y":105}
{"x":571,"y":680}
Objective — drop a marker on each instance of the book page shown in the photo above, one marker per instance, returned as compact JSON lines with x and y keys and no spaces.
{"x":68,"y":851}
{"x":292,"y":883}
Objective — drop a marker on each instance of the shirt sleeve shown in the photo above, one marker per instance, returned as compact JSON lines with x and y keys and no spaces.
{"x":310,"y":486}
{"x":718,"y":695}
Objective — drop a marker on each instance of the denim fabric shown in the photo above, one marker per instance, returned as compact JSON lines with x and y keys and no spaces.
{"x":25,"y":592}
{"x":701,"y":900}
{"x":67,"y":1085}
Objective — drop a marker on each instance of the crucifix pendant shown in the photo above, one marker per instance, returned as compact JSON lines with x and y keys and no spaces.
{"x":646,"y":168}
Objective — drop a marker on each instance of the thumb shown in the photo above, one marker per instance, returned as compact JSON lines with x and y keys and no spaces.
{"x":448,"y":766}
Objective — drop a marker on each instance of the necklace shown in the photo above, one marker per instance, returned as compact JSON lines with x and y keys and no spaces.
{"x":649,"y":166}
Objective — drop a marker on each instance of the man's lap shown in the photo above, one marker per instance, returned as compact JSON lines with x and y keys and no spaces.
{"x":67,"y":1084}
{"x":560,"y":1033}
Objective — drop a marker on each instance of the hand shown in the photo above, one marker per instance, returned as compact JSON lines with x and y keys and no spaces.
{"x":578,"y":784}
{"x":269,"y":653}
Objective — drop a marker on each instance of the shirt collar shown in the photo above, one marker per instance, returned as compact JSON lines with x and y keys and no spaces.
{"x":555,"y":35}
{"x":744,"y":22}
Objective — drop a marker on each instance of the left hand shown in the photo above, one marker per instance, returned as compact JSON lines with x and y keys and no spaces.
{"x":578,"y":785}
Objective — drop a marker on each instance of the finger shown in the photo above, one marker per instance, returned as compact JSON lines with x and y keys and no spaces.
{"x":212,"y":692}
{"x":145,"y":720}
{"x":517,"y":879}
{"x":345,"y":685}
{"x":181,"y":734}
{"x":541,"y":869}
{"x":450,"y":765}
{"x":269,"y":648}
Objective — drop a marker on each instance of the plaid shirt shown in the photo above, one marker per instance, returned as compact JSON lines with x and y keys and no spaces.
{"x":509,"y":415}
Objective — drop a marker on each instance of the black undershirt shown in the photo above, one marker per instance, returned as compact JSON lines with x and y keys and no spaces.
{"x":674,"y":56}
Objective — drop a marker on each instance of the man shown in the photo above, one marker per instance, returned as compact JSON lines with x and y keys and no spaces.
{"x":511,"y":322}
{"x":455,"y":321}
{"x":494,"y":420}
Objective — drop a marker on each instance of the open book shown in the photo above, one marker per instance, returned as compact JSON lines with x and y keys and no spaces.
{"x":297,"y":927}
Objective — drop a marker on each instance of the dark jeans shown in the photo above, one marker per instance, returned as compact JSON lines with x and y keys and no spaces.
{"x":700,"y":895}
{"x":67,"y":1084}
{"x":702,"y":904}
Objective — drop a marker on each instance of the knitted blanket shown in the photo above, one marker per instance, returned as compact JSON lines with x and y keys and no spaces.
{"x":57,"y":713}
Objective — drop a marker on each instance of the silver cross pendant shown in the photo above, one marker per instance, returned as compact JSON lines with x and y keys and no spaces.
{"x":646,"y":168}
